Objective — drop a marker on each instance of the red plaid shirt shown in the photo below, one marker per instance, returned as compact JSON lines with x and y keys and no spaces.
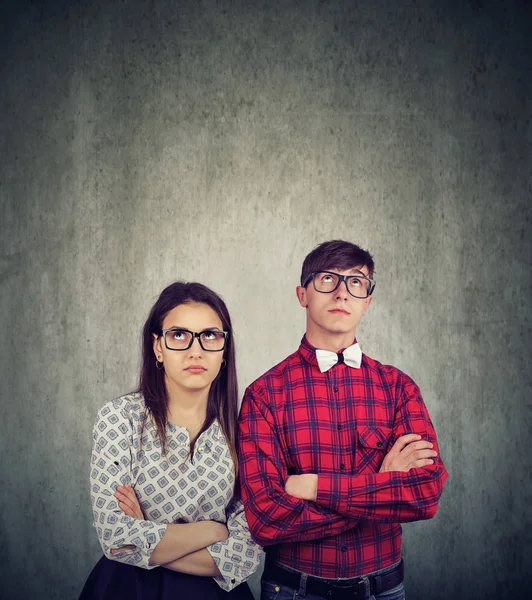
{"x":338,"y":424}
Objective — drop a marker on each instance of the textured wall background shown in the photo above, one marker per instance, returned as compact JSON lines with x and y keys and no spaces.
{"x":143,"y":142}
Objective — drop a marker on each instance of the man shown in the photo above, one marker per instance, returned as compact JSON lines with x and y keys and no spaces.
{"x":336,"y":449}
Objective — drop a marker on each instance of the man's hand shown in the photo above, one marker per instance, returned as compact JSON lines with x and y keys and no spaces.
{"x":128,"y":502}
{"x":408,"y":452}
{"x":304,"y":486}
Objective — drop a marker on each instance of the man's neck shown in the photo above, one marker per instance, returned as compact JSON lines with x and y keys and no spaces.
{"x":333,"y":342}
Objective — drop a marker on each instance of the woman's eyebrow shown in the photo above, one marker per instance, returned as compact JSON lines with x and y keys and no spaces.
{"x":187,"y":329}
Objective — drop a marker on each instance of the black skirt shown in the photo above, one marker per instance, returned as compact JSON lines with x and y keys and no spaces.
{"x":112,"y":580}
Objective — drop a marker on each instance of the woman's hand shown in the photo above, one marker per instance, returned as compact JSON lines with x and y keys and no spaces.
{"x":128,"y":502}
{"x":219,"y":530}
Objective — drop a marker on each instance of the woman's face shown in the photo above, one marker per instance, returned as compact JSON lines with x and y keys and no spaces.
{"x":194,"y":369}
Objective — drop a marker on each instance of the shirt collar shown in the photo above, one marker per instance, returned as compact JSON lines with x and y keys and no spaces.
{"x":308,"y":352}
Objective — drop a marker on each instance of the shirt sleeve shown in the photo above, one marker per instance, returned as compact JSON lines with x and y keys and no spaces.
{"x":273,"y":515}
{"x":237,"y":557}
{"x":395,"y":496}
{"x":111,"y":467}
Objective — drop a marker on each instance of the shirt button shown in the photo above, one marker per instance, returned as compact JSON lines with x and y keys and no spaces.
{"x":335,"y":389}
{"x":379,"y":444}
{"x":148,"y":545}
{"x":342,"y":466}
{"x":339,"y":427}
{"x":344,"y":548}
{"x":233,"y":580}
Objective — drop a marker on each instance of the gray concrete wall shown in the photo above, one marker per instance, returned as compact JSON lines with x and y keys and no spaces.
{"x":142,"y":142}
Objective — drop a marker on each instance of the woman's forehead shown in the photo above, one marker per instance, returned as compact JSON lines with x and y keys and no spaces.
{"x":192,"y":315}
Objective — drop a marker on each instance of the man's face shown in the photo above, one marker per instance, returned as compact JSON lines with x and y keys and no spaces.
{"x":333,"y":313}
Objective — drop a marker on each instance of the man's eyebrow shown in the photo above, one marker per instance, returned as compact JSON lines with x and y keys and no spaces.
{"x":352,"y":271}
{"x":358,"y":271}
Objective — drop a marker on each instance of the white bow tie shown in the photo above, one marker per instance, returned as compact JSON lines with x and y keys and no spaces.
{"x":352,"y":357}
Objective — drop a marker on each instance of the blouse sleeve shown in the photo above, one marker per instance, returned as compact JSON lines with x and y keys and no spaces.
{"x":111,"y":466}
{"x":237,"y":557}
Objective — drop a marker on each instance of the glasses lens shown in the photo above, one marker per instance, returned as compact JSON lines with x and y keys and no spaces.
{"x":358,"y":287}
{"x":178,"y":339}
{"x":325,"y":282}
{"x":212,"y":340}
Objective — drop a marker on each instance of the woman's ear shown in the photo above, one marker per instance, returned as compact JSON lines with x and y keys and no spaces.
{"x":157,"y":347}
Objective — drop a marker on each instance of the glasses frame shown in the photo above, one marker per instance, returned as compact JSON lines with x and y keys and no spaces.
{"x":194,"y":334}
{"x":341,"y":278}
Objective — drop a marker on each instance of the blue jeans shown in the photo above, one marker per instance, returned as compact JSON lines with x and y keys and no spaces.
{"x":271,"y":590}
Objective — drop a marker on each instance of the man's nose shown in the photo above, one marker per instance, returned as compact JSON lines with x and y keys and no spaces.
{"x":341,"y":290}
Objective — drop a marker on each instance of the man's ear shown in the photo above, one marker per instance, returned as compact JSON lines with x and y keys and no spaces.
{"x":367,"y":303}
{"x":301,"y":293}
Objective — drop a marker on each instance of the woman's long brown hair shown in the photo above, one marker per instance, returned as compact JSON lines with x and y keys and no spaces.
{"x":223,"y":394}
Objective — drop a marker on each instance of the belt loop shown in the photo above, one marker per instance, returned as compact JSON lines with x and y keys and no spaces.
{"x":367,"y":587}
{"x":302,"y":585}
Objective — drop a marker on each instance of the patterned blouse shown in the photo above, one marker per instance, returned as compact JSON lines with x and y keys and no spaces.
{"x":170,"y":488}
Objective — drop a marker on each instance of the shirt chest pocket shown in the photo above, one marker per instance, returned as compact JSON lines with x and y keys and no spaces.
{"x":371,"y":448}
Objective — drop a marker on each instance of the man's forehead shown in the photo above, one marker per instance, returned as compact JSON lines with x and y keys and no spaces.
{"x":358,"y":270}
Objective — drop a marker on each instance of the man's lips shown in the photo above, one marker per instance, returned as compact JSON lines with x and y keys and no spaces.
{"x":195,"y":369}
{"x":339,"y":311}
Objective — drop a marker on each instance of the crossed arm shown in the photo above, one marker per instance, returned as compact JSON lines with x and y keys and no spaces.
{"x":183,"y":546}
{"x":128,"y":537}
{"x":408,"y":452}
{"x":224,"y":551}
{"x":282,"y":507}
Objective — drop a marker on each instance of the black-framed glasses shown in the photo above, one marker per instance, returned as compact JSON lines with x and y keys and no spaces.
{"x":211,"y":340}
{"x":327,"y":282}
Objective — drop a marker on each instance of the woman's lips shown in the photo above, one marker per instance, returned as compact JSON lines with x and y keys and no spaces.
{"x":195,"y":369}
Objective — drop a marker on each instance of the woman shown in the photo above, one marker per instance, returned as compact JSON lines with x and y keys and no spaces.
{"x":164,"y":464}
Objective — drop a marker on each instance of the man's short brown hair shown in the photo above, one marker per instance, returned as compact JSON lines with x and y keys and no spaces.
{"x":336,"y":254}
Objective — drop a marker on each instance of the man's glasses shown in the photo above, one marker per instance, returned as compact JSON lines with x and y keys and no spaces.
{"x":211,"y":340}
{"x":326,"y":282}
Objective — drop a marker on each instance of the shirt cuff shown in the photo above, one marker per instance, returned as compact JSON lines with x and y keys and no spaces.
{"x":144,"y":539}
{"x":236,"y":560}
{"x":354,"y":495}
{"x":333,"y":492}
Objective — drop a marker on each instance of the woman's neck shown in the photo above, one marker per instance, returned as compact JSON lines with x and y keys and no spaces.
{"x":187,"y":407}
